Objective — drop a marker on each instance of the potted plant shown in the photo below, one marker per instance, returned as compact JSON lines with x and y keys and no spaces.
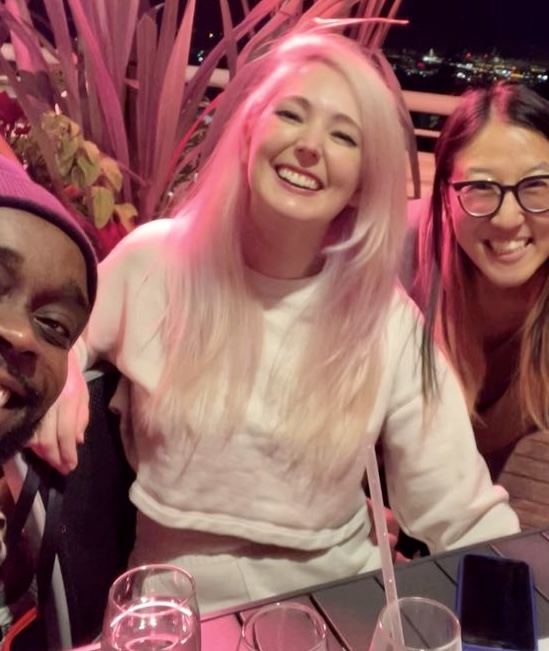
{"x":117,"y":89}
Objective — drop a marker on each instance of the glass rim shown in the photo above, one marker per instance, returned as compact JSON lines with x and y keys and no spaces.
{"x":390,"y":607}
{"x":153,"y":567}
{"x":315,"y":616}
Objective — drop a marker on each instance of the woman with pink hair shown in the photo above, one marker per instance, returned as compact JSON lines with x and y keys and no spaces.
{"x":264,"y":345}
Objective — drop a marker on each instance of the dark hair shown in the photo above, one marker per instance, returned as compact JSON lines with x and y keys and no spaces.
{"x":510,"y":101}
{"x":444,"y":266}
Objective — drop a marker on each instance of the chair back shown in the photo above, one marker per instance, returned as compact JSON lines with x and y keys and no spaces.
{"x":95,"y":528}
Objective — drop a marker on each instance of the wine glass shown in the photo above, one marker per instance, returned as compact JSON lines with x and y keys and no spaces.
{"x":152,"y":608}
{"x":426,"y":624}
{"x":287,"y":626}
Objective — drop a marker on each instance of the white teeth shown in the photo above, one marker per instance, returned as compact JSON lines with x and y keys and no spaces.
{"x":4,"y":396}
{"x":508,"y":246}
{"x":300,"y":180}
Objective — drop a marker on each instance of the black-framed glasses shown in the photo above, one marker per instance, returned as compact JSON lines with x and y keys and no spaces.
{"x":484,"y":198}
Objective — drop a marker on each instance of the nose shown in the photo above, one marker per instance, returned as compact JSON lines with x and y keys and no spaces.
{"x":308,"y":148}
{"x":18,"y":343}
{"x":510,"y":214}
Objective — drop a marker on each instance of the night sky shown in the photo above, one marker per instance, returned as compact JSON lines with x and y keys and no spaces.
{"x":519,"y":28}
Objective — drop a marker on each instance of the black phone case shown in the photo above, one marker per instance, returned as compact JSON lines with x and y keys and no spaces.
{"x":500,"y":605}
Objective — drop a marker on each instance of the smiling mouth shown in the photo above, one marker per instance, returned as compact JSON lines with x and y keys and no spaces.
{"x":298,"y":179}
{"x":504,"y":247}
{"x":10,"y":400}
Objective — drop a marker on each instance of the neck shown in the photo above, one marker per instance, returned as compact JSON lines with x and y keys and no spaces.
{"x":284,"y":252}
{"x":502,"y":311}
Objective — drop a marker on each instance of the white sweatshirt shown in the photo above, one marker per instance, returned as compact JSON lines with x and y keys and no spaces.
{"x":439,"y":487}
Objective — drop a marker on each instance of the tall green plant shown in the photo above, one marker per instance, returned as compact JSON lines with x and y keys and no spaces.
{"x":123,"y":79}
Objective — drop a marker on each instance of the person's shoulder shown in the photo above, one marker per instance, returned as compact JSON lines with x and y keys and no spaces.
{"x":151,"y":235}
{"x":403,"y":336}
{"x":403,"y":311}
{"x":405,"y":322}
{"x":147,"y":242}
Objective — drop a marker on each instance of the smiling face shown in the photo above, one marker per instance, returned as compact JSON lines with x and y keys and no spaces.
{"x":305,"y":151}
{"x":43,"y":309}
{"x":509,"y":248}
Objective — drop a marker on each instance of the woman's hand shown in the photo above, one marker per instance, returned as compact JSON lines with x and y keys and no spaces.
{"x":63,"y":427}
{"x":392,"y":530}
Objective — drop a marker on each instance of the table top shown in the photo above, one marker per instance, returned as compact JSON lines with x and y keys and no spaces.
{"x":350,"y":607}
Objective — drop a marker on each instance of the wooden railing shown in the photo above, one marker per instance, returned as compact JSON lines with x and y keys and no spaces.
{"x":417,"y":102}
{"x":430,"y":104}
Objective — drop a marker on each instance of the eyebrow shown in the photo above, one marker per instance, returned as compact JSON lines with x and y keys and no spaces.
{"x":540,"y":167}
{"x":543,"y":167}
{"x":10,"y":259}
{"x":69,"y":291}
{"x":305,"y":103}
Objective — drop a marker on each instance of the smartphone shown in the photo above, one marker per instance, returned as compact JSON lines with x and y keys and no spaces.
{"x":496,"y":604}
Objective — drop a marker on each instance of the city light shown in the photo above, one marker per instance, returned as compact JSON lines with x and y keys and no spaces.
{"x":473,"y":69}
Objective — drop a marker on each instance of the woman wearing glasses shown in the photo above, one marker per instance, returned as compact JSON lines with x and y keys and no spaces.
{"x":482,"y":275}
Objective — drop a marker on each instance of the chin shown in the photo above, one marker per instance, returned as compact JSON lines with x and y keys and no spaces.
{"x":508,"y":281}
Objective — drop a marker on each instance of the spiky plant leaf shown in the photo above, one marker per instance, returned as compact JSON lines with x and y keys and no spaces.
{"x":123,"y":79}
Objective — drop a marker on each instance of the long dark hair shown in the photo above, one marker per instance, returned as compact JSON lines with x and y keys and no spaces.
{"x":445,"y":271}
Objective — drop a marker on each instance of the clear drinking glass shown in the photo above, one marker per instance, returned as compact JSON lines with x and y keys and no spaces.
{"x":426,"y":625}
{"x":152,"y":608}
{"x":287,"y":626}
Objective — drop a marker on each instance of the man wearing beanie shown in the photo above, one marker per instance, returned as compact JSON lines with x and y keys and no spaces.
{"x":48,"y":277}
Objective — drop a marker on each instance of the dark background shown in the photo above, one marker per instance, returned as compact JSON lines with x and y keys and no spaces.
{"x":515,"y":28}
{"x":518,"y":28}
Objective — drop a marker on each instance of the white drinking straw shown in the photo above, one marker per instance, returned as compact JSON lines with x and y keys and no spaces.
{"x":382,"y":535}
